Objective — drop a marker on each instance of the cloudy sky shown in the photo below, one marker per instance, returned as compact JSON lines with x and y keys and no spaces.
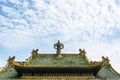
{"x":93,"y":25}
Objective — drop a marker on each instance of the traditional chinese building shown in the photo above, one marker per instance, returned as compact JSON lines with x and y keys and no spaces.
{"x":59,"y":66}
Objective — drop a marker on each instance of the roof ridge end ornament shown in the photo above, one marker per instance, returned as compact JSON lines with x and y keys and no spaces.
{"x":82,"y":52}
{"x":35,"y":52}
{"x":105,"y":60}
{"x":11,"y":60}
{"x":58,"y":46}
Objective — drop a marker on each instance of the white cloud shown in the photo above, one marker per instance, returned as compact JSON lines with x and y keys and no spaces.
{"x":71,"y":19}
{"x":5,"y":1}
{"x":40,"y":4}
{"x":5,"y":22}
{"x":15,"y":1}
{"x":2,"y":63}
{"x":25,"y":4}
{"x":92,"y":25}
{"x":15,"y":39}
{"x":10,"y":12}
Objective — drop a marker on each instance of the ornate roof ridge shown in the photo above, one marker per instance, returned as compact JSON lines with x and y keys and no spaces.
{"x":82,"y":66}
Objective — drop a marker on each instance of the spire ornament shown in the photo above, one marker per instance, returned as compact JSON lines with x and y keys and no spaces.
{"x":58,"y":46}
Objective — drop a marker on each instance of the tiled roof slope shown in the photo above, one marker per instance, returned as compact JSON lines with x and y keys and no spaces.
{"x":65,"y":60}
{"x":50,"y":60}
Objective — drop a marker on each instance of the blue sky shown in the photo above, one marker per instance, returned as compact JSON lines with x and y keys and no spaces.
{"x":91,"y":25}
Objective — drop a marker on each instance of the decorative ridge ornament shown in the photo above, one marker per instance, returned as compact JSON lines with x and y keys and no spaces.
{"x":82,"y":52}
{"x":11,"y":59}
{"x":105,"y":60}
{"x":58,"y":46}
{"x":35,"y":52}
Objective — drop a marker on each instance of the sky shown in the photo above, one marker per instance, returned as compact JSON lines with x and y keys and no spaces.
{"x":93,"y":25}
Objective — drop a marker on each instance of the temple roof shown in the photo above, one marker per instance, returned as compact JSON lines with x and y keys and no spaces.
{"x":51,"y":60}
{"x":66,"y":60}
{"x":60,"y":60}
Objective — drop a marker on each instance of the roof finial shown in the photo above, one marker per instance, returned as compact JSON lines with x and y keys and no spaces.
{"x":58,"y":46}
{"x":82,"y":52}
{"x":11,"y":59}
{"x":105,"y":60}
